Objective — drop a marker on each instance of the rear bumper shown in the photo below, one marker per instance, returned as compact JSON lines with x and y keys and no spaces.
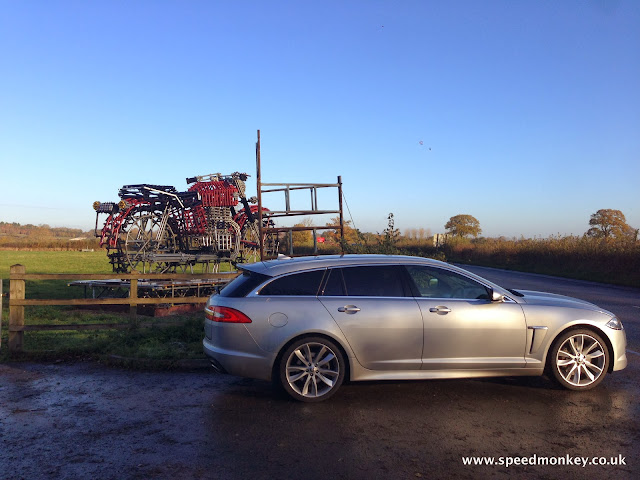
{"x":233,"y":351}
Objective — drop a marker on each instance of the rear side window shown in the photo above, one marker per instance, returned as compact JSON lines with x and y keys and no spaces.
{"x":306,"y":283}
{"x":365,"y":281}
{"x":243,"y":284}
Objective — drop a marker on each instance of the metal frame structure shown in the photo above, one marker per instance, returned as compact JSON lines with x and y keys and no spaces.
{"x":268,"y":229}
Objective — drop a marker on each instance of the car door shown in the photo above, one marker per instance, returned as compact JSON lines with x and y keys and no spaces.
{"x":374,"y":308}
{"x":463,"y":328}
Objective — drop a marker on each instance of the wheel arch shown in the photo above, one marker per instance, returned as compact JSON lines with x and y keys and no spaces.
{"x":580,"y":326}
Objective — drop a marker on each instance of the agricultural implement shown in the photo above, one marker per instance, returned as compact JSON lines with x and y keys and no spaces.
{"x":157,"y":229}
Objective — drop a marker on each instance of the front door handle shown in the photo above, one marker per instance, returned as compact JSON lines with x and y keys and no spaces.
{"x":349,"y":309}
{"x":440,"y":310}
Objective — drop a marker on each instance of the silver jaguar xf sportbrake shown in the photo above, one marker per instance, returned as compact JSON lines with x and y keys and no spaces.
{"x":309,"y":323}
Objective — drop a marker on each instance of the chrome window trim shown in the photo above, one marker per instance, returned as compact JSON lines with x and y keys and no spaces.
{"x":256,"y":292}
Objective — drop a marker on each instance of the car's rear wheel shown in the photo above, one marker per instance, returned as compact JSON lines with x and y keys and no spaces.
{"x":579,"y":359}
{"x":312,"y":369}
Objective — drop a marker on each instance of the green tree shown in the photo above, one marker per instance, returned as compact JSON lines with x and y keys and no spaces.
{"x":609,"y":223}
{"x":463,"y":225}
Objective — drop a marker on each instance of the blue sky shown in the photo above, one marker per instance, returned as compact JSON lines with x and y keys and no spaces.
{"x":524,"y":114}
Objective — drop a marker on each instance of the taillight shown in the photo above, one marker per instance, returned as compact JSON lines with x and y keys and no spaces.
{"x":225,"y":314}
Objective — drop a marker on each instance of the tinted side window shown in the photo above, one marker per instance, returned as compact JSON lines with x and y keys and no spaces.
{"x":306,"y":283}
{"x":334,"y":285}
{"x":243,"y":284}
{"x":374,"y":281}
{"x":433,"y":282}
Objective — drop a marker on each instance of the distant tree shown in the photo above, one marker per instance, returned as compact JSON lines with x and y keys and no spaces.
{"x":463,"y":225}
{"x":303,"y":237}
{"x":411,"y":233}
{"x":351,"y":235}
{"x":368,"y":238}
{"x":608,"y":223}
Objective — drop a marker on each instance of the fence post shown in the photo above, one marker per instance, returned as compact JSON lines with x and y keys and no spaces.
{"x":16,"y":314}
{"x":133,"y":306}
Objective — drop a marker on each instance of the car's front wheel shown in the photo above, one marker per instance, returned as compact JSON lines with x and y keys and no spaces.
{"x":312,"y":369}
{"x":579,"y":359}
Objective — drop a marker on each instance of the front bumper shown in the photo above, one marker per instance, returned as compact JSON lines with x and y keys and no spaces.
{"x":619,"y":344}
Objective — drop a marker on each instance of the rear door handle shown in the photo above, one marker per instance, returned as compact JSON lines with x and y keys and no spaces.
{"x":349,"y":309}
{"x":440,"y":310}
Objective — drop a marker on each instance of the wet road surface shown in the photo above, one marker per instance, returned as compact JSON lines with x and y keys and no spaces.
{"x":85,"y":420}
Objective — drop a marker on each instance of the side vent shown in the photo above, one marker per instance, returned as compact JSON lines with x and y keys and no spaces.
{"x":538,"y":336}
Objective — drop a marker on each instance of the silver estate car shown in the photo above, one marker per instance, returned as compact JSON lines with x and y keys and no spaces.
{"x":310,"y":323}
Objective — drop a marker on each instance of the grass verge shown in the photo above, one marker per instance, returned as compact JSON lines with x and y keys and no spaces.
{"x":164,"y":346}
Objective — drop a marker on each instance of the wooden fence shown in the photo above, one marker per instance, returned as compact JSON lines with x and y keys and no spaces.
{"x":18,"y":300}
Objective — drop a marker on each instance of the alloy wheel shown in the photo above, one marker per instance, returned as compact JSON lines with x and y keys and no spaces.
{"x":313,"y":370}
{"x":581,"y":360}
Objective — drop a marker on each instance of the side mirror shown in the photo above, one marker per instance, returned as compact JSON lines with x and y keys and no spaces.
{"x":495,"y":296}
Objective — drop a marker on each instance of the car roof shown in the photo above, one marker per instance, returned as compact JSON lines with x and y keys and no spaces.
{"x":284,"y":265}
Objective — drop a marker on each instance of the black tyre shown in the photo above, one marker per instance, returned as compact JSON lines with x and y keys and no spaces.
{"x":311,"y":369}
{"x":579,"y":359}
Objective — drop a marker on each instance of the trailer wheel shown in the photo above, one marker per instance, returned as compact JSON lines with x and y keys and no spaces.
{"x":145,"y":239}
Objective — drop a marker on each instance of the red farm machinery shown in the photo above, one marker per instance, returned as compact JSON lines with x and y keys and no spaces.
{"x":157,"y":229}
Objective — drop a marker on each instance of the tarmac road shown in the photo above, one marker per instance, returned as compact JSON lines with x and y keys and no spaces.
{"x":85,"y":420}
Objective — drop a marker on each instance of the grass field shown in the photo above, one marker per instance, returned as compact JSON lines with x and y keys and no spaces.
{"x":55,"y":262}
{"x":166,"y":344}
